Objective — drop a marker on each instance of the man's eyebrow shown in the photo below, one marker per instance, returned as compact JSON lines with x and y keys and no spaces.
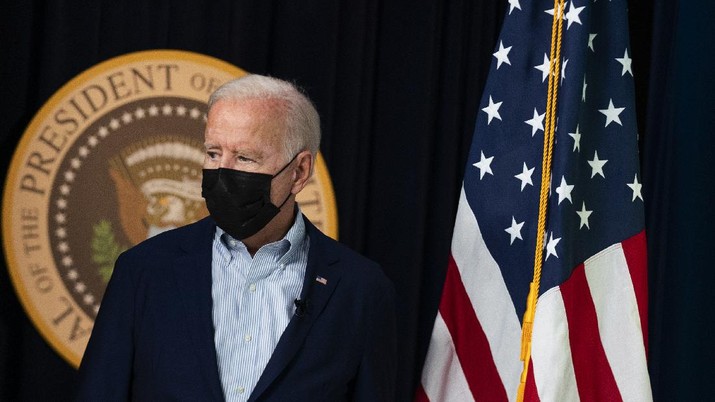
{"x":251,"y":153}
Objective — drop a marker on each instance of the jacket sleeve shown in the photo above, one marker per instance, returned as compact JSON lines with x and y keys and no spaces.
{"x":105,"y":373}
{"x":376,"y":378}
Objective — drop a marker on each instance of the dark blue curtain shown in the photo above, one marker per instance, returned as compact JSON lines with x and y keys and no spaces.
{"x":678,"y":156}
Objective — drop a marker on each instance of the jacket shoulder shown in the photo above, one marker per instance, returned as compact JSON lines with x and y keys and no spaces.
{"x":169,"y":244}
{"x":353,"y":265}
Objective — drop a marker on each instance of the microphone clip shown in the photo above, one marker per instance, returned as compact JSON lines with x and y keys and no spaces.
{"x":301,"y":306}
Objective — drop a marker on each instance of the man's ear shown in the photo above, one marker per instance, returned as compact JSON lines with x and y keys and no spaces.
{"x":303,"y":171}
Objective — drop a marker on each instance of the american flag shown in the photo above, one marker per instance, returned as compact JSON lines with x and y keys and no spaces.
{"x":589,"y":334}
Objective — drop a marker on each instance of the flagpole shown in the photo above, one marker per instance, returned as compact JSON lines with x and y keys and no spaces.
{"x":551,"y":101}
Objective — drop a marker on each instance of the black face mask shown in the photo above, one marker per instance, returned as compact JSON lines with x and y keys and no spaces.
{"x":240,"y":202}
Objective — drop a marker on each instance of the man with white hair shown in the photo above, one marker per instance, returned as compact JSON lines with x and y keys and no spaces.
{"x":252,"y":303}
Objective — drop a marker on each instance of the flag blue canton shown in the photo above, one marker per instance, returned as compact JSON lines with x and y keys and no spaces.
{"x":594,"y":198}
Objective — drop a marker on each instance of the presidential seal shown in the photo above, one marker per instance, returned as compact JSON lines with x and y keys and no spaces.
{"x":113,"y":158}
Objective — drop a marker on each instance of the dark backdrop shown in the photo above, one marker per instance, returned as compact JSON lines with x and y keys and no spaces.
{"x":397,"y":85}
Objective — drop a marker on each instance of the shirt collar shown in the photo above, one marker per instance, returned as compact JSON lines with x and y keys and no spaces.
{"x":284,"y":248}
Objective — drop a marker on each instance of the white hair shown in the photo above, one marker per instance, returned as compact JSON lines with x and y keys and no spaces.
{"x":302,"y":123}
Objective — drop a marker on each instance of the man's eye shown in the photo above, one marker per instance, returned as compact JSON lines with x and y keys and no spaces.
{"x":243,"y":159}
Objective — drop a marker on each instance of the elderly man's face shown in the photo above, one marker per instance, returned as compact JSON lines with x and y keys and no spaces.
{"x":244,"y":135}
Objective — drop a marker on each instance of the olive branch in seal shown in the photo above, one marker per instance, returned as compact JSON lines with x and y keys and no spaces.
{"x":105,"y":248}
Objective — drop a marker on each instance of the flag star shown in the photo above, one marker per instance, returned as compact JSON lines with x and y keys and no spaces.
{"x":544,"y":68}
{"x":514,"y":230}
{"x":551,"y":246}
{"x":583,"y":92}
{"x":153,"y":110}
{"x":525,"y":176}
{"x":536,"y":122}
{"x":127,"y":118}
{"x":514,"y":4}
{"x":584,"y":214}
{"x":564,"y":190}
{"x":591,"y":37}
{"x":636,"y":187}
{"x":103,"y":132}
{"x":597,"y":165}
{"x":167,"y":109}
{"x":181,"y":110}
{"x":484,"y":165}
{"x":576,"y":140}
{"x":572,"y":15}
{"x":551,"y":11}
{"x":626,"y":63}
{"x":114,"y":124}
{"x":194,"y":113}
{"x":492,"y":110}
{"x":563,"y":69}
{"x":612,"y":113}
{"x":139,"y":113}
{"x":502,"y":55}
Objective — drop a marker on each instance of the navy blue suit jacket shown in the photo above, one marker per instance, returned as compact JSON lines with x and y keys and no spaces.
{"x":153,"y":339}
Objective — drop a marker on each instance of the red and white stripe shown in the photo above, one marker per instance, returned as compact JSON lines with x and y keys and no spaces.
{"x":588,"y":340}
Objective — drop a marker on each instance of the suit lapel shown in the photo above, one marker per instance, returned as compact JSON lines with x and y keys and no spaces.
{"x":316,"y":294}
{"x":193,"y":279}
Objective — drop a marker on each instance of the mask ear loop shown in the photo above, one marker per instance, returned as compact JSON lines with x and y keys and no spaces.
{"x":286,"y":165}
{"x":281,"y":171}
{"x":286,"y":200}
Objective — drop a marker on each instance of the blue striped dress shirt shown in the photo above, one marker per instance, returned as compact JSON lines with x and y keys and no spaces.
{"x":253,"y":301}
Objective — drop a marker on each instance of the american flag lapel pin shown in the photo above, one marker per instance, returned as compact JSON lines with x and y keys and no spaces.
{"x":321,"y":280}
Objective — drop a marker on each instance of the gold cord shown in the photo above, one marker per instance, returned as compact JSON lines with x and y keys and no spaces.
{"x":551,"y":98}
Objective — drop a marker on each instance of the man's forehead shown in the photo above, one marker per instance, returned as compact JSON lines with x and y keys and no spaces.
{"x":253,"y":113}
{"x":260,"y":105}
